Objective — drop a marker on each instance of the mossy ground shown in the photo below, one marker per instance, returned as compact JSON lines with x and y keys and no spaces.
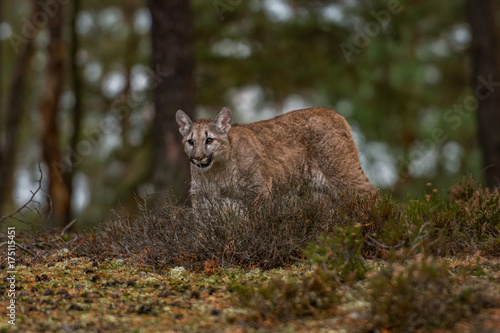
{"x":64,"y":293}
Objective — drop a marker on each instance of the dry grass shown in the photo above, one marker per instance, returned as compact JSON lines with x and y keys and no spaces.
{"x":254,"y":232}
{"x":272,"y":231}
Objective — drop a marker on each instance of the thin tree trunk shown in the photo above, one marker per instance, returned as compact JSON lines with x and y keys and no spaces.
{"x":15,"y":111}
{"x":173,"y":62}
{"x":485,"y":51}
{"x":58,"y":190}
{"x":131,"y":45}
{"x":77,"y":108}
{"x":124,"y":107}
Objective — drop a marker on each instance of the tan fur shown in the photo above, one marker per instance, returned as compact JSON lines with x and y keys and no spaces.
{"x":313,"y":144}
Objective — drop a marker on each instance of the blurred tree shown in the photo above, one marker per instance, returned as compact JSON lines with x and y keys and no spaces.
{"x":15,"y":106}
{"x":131,"y":154}
{"x":173,"y":60}
{"x":58,"y":190}
{"x":77,"y":92}
{"x":485,"y":56}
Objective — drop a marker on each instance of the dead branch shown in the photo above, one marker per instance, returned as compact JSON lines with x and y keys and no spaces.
{"x":25,"y":206}
{"x":67,"y":227}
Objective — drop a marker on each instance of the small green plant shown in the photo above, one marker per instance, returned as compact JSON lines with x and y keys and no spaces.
{"x":482,"y":209}
{"x":339,"y":253}
{"x":421,"y":294}
{"x":287,"y":298}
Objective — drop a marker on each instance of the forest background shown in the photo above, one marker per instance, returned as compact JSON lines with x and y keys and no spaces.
{"x":89,"y":89}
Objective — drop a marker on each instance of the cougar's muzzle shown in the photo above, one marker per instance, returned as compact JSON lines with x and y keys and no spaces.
{"x":201,"y":162}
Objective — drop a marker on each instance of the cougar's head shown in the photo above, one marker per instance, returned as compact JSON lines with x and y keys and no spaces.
{"x":205,"y":141}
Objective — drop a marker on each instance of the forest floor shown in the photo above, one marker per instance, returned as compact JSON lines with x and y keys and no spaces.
{"x":292,"y":264}
{"x":64,"y":292}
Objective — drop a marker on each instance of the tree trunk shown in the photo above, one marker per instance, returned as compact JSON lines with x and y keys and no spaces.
{"x":77,"y":108}
{"x":131,"y":45}
{"x":485,"y":52}
{"x":173,"y":63}
{"x":15,"y":110}
{"x":57,"y":189}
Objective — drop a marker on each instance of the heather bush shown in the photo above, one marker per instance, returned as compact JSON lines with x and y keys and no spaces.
{"x":285,"y":298}
{"x":421,"y":295}
{"x":266,"y":232}
{"x":339,"y":253}
{"x":271,"y":230}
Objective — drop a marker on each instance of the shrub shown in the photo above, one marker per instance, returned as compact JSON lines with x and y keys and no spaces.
{"x":265,"y":232}
{"x":465,"y":222}
{"x":287,"y":298}
{"x":335,"y":259}
{"x":339,"y":253}
{"x":421,"y":295}
{"x":270,"y":231}
{"x":482,"y":209}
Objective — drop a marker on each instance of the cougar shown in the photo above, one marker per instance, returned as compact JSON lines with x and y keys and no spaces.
{"x":312,"y":145}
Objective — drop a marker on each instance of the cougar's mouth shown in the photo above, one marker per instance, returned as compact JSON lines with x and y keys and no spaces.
{"x":203,"y":163}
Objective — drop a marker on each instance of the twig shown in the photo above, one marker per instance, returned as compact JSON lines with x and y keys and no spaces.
{"x":25,"y":205}
{"x":67,"y":227}
{"x":373,"y":241}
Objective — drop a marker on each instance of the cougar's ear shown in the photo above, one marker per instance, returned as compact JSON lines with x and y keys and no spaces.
{"x":223,"y":120}
{"x":184,"y":122}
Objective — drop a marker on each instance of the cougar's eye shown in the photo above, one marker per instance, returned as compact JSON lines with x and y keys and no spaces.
{"x":191,"y":142}
{"x":209,"y":141}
